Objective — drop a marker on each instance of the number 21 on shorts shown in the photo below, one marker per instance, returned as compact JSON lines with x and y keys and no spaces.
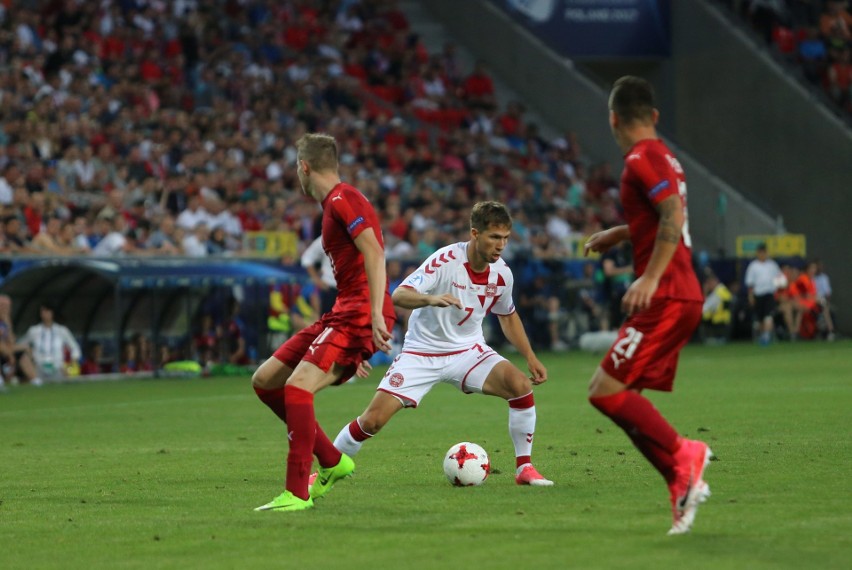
{"x":626,"y":346}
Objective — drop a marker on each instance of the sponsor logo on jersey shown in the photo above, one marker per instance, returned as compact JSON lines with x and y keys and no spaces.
{"x":357,"y":222}
{"x":458,"y":286}
{"x":396,"y":380}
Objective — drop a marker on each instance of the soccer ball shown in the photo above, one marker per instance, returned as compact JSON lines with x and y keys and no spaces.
{"x":466,"y":464}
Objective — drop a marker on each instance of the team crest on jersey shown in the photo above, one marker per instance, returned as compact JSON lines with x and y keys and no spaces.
{"x":396,"y":379}
{"x":490,"y":290}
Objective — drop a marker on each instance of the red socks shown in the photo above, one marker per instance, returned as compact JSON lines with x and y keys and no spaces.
{"x":295,"y":407}
{"x":357,"y":432}
{"x":645,"y":426}
{"x":327,"y":454}
{"x":301,"y":431}
{"x":274,"y":399}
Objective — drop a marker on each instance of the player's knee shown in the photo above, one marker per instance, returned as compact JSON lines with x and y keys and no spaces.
{"x":265,"y":379}
{"x":259,"y":380}
{"x":523,"y":386}
{"x":518,"y":384}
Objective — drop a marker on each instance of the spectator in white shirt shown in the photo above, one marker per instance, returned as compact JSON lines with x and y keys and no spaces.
{"x":10,"y":175}
{"x":114,"y":243}
{"x":195,"y":242}
{"x":193,"y":215}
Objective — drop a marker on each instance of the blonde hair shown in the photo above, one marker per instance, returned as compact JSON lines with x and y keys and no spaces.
{"x":319,"y":151}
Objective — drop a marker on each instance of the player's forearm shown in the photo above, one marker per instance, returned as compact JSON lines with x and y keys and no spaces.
{"x":620,"y":233}
{"x":374,"y":265}
{"x":513,"y":328}
{"x":408,"y":298}
{"x":314,"y":275}
{"x":660,"y":258}
{"x":669,"y":233}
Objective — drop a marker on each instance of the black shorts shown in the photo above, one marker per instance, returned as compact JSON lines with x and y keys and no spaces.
{"x":764,"y":306}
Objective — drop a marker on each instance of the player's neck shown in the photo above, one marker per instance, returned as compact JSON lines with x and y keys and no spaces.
{"x":477,"y":265}
{"x":323,"y":184}
{"x":633,"y":136}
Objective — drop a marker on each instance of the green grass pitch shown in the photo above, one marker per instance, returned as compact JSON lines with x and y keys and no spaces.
{"x":165,"y":474}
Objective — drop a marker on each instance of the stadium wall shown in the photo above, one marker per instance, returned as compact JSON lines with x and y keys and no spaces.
{"x":764,"y":132}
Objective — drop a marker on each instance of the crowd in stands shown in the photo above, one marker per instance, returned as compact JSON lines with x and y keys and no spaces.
{"x":153,"y":127}
{"x":168,"y":128}
{"x":816,"y":35}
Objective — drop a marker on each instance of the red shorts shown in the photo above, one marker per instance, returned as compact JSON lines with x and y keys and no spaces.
{"x":323,"y":345}
{"x":646,"y":351}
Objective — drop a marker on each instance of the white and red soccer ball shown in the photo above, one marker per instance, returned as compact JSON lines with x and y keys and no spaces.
{"x":466,"y":464}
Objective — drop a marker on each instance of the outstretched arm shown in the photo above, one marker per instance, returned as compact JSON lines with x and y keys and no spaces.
{"x":513,"y":328}
{"x":408,"y":298}
{"x":601,"y":242}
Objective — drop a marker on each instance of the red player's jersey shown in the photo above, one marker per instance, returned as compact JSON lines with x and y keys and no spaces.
{"x":652,"y":174}
{"x":346,"y":213}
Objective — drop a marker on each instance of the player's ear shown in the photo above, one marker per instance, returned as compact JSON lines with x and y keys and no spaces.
{"x":655,"y":116}
{"x":613,"y":119}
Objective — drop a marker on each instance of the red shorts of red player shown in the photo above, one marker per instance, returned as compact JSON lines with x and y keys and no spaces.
{"x":322,"y":346}
{"x":646,"y":352}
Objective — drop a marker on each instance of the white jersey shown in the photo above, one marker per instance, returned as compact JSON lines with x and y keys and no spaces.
{"x":440,"y":330}
{"x":48,"y":345}
{"x":314,"y":254}
{"x":763,"y":277}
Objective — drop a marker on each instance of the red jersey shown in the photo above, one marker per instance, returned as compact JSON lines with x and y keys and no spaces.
{"x":804,"y":290}
{"x":345,"y":214}
{"x":652,"y":174}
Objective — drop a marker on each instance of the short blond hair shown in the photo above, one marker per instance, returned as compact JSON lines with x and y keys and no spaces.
{"x":319,"y":151}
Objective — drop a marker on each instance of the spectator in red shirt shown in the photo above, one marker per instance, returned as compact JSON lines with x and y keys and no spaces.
{"x":34,"y":213}
{"x":478,"y":88}
{"x":149,"y":70}
{"x":794,"y":300}
{"x":92,"y":362}
{"x":248,"y":213}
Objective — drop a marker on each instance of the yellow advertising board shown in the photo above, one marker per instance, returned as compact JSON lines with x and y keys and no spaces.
{"x":272,"y":244}
{"x":782,"y":245}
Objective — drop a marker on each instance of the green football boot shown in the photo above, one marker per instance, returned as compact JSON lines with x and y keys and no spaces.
{"x":324,"y":479}
{"x":287,"y":501}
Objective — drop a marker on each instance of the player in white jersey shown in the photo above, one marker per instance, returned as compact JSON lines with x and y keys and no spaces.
{"x":451,"y":293}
